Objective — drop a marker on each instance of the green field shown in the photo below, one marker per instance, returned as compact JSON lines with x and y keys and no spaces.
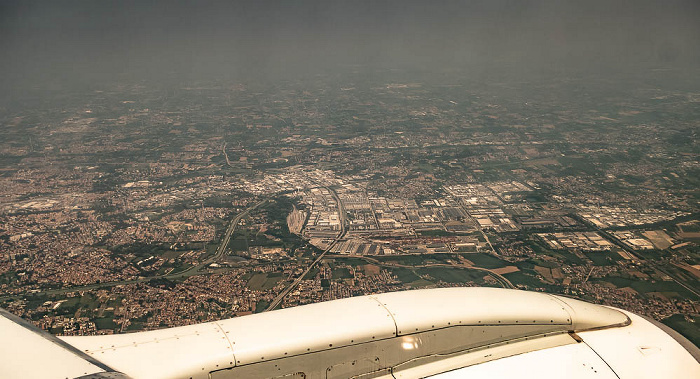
{"x":530,"y":281}
{"x":435,"y":232}
{"x":418,"y":259}
{"x":238,"y":244}
{"x":690,"y":330}
{"x":421,"y":283}
{"x":172,"y":254}
{"x":341,"y":273}
{"x":406,"y":275}
{"x":72,"y":302}
{"x":603,"y":258}
{"x":466,"y":249}
{"x":312,"y":273}
{"x":691,"y":227}
{"x":409,"y":260}
{"x":105,"y":323}
{"x":563,"y":255}
{"x":531,"y":263}
{"x":261,"y":282}
{"x":351,"y":261}
{"x":485,"y":260}
{"x":667,"y":288}
{"x":452,"y":275}
{"x":135,"y":325}
{"x":261,"y":305}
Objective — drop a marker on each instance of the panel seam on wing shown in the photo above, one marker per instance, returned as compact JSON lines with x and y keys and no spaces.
{"x":566,"y":309}
{"x":601,"y":358}
{"x":388,"y":311}
{"x":230,"y":343}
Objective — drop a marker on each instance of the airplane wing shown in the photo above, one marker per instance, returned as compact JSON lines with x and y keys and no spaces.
{"x":435,"y":333}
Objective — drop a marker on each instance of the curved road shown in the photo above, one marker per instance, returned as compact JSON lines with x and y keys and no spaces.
{"x":505,"y":283}
{"x":341,"y":213}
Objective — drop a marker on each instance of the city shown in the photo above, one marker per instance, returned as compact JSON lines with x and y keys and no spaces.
{"x":139,"y":207}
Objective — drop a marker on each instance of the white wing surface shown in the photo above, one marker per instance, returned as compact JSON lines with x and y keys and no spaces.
{"x":438,"y":333}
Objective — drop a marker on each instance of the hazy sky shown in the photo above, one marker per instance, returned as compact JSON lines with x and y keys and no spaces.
{"x":81,"y":40}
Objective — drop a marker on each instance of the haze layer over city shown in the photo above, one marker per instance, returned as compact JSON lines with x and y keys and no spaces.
{"x":165,"y":164}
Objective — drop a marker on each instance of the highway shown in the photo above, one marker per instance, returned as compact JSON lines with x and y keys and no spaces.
{"x":278,"y":299}
{"x":221,"y":249}
{"x":343,"y":229}
{"x":481,"y":229}
{"x":223,"y":150}
{"x":610,"y":237}
{"x":505,"y":283}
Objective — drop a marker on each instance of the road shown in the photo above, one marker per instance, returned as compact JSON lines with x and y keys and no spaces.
{"x":481,"y":229}
{"x":610,"y":237}
{"x":221,"y":249}
{"x":343,"y":229}
{"x":278,"y":299}
{"x":223,"y":150}
{"x":505,"y":283}
{"x":194,"y":270}
{"x":483,"y":233}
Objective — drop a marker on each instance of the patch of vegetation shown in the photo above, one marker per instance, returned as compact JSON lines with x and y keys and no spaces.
{"x":418,"y":259}
{"x":238,"y":244}
{"x":421,"y":283}
{"x":261,"y":306}
{"x":135,"y":325}
{"x":564,"y":256}
{"x":105,"y":323}
{"x":529,"y":281}
{"x":409,"y":260}
{"x":486,"y":260}
{"x":405,"y":275}
{"x":453,"y":275}
{"x":162,"y":283}
{"x":312,"y":273}
{"x":689,"y":330}
{"x":341,"y":273}
{"x":141,"y":249}
{"x":352,"y":261}
{"x":667,"y":288}
{"x":435,"y":233}
{"x":603,"y":258}
{"x":261,"y":281}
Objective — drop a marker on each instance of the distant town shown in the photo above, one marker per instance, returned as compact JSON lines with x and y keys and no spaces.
{"x":140,"y":206}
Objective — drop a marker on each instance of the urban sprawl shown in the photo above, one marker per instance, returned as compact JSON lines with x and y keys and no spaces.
{"x":142,"y":207}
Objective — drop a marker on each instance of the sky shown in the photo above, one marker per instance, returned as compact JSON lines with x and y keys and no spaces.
{"x":76,"y":41}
